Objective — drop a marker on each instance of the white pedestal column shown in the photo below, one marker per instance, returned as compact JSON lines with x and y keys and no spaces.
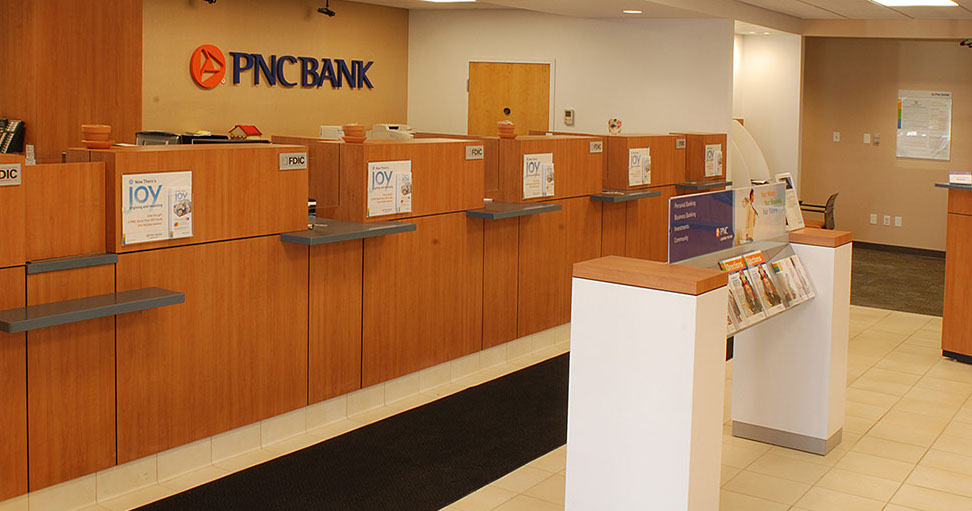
{"x":789,"y":373}
{"x":647,"y":368}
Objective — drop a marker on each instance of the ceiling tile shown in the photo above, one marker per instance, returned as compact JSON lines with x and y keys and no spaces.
{"x":794,"y":8}
{"x":858,"y":9}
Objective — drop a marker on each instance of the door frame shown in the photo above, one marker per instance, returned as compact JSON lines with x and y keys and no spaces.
{"x":551,"y":96}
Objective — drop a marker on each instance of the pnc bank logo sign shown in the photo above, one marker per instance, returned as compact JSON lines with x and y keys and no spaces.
{"x":208,"y":67}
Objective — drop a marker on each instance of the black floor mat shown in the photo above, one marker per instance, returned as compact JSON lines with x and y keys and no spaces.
{"x":898,"y":281}
{"x":423,"y":459}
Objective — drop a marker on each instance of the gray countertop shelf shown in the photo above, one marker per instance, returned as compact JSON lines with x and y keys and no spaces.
{"x":500,"y":210}
{"x":624,"y":195}
{"x":82,"y":309}
{"x":702,"y":185}
{"x":70,"y":263}
{"x":325,"y":230}
{"x":950,"y":186}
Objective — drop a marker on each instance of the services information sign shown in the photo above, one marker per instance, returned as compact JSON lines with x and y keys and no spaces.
{"x":156,"y":206}
{"x":700,"y":224}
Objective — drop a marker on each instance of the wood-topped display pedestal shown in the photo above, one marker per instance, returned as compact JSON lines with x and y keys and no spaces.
{"x":789,"y":372}
{"x":655,"y":335}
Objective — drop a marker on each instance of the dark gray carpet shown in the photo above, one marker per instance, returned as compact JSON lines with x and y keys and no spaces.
{"x":887,"y":279}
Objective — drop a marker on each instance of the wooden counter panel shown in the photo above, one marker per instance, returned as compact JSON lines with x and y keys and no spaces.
{"x":613,"y":227}
{"x":334,"y":347}
{"x":543,"y":290}
{"x":13,"y":209}
{"x":960,"y":202}
{"x":323,"y":168}
{"x":695,"y":155}
{"x":74,"y":223}
{"x":423,"y":296}
{"x":13,"y":389}
{"x":490,"y":157}
{"x":647,"y":227}
{"x":234,"y":353}
{"x":821,"y":237}
{"x":674,"y":278}
{"x":500,"y":249}
{"x":663,"y":168}
{"x":237,"y":190}
{"x":578,"y":172}
{"x":444,"y":181}
{"x":71,"y":382}
{"x":956,"y":322}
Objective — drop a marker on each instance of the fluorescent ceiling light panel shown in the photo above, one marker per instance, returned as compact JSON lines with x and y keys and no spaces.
{"x":917,"y":3}
{"x":631,"y":11}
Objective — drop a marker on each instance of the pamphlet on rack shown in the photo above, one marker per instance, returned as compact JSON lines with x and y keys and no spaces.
{"x":801,"y":273}
{"x":741,"y":290}
{"x":639,"y":166}
{"x":794,"y":216}
{"x":534,"y":178}
{"x":156,"y":206}
{"x":789,"y":281}
{"x":759,"y":274}
{"x":713,"y":160}
{"x":389,"y":187}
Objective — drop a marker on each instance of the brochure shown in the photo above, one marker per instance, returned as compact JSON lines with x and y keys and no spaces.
{"x":801,"y":272}
{"x":156,"y":206}
{"x":743,"y":291}
{"x":389,"y":187}
{"x":713,"y":160}
{"x":794,"y":217}
{"x":639,"y":166}
{"x":548,"y":179}
{"x":766,"y":289}
{"x":786,"y":275}
{"x":736,"y":319}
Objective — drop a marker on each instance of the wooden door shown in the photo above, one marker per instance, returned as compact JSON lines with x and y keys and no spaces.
{"x":496,"y":88}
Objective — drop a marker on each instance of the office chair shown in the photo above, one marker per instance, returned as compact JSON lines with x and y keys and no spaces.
{"x":827,"y":210}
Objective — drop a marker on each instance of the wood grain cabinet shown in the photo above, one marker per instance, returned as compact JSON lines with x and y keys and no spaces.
{"x":13,"y":391}
{"x":334,"y":347}
{"x":234,"y":353}
{"x":423,"y":296}
{"x":577,"y":170}
{"x":13,"y":233}
{"x":74,"y":222}
{"x":71,"y":381}
{"x":956,"y":322}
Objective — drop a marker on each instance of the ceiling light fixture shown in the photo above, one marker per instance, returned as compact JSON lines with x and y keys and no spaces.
{"x":631,"y":11}
{"x":917,"y":3}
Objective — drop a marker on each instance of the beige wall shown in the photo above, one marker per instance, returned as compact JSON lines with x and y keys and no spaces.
{"x":851,"y":86}
{"x":174,"y":28}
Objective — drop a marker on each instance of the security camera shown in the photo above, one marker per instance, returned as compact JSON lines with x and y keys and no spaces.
{"x":326,"y":9}
{"x":967,"y":42}
{"x":210,"y":2}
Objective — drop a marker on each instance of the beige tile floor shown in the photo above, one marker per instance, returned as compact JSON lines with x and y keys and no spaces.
{"x":907,"y":438}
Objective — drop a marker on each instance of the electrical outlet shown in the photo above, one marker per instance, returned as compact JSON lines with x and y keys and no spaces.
{"x":836,"y":136}
{"x":873,"y":219}
{"x":897,"y":221}
{"x":887,"y":220}
{"x":867,"y":138}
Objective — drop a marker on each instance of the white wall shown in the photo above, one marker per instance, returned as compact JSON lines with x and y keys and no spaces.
{"x":657,"y":76}
{"x":768,"y":93}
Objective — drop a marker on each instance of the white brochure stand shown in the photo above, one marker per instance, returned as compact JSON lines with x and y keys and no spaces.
{"x":789,"y":372}
{"x":647,"y":369}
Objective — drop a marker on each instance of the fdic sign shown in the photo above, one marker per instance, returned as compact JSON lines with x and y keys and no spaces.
{"x":207,"y":66}
{"x":10,"y":174}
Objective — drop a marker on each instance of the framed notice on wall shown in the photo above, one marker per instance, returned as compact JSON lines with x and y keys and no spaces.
{"x":156,"y":206}
{"x":924,"y":125}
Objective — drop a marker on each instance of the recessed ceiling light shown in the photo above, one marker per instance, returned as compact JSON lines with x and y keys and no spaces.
{"x":631,"y":11}
{"x":917,"y":3}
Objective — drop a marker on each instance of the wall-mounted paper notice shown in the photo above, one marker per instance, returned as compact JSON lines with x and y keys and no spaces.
{"x":533,"y":177}
{"x":389,"y":187}
{"x":924,"y":125}
{"x":156,"y":206}
{"x":639,"y":166}
{"x":713,"y":160}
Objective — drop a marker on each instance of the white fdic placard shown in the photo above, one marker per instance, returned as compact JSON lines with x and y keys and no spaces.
{"x":156,"y":206}
{"x":639,"y":166}
{"x":713,"y":160}
{"x":389,"y":187}
{"x":538,"y":178}
{"x":924,"y":125}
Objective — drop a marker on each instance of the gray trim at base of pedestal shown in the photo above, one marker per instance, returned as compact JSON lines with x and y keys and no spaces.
{"x":787,"y":439}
